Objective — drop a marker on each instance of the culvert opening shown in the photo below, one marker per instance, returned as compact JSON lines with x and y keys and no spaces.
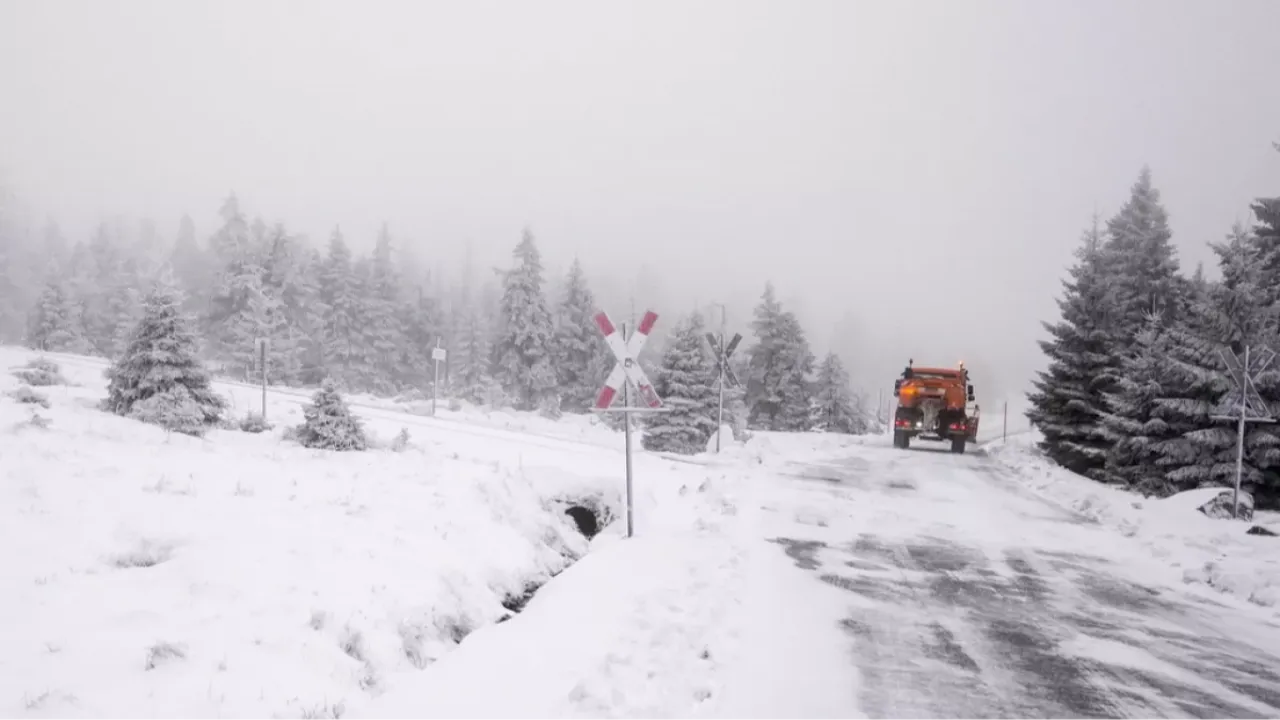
{"x":586,"y":520}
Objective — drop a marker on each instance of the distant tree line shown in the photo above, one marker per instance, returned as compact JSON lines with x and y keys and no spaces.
{"x":369,"y":324}
{"x":1135,"y":376}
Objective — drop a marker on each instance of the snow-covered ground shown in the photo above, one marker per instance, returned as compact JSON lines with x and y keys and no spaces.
{"x":1216,"y":553}
{"x":239,"y":574}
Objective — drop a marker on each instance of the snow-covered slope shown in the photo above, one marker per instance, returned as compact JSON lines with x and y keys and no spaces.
{"x":1216,"y":553}
{"x":239,"y":574}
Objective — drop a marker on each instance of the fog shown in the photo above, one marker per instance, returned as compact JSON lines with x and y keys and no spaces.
{"x":911,"y":176}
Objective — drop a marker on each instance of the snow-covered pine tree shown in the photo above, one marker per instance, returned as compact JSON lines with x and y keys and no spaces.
{"x":1067,"y":404}
{"x":835,"y":408}
{"x":524,"y":362}
{"x":339,"y":292}
{"x":158,"y":376}
{"x":52,"y":326}
{"x":191,"y":268}
{"x":1144,"y":262}
{"x":581,"y":356}
{"x":795,"y":413}
{"x":1136,"y":423}
{"x":1235,"y":314}
{"x":328,"y":423}
{"x":383,"y":328}
{"x":686,"y":385}
{"x":1266,"y":237}
{"x":767,"y":363}
{"x":469,"y":377}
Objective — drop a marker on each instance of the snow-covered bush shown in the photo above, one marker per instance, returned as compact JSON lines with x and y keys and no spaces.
{"x":254,"y":423}
{"x":40,"y":372}
{"x":160,"y":362}
{"x":29,"y":396}
{"x":401,"y":441}
{"x":549,"y":406}
{"x":329,"y":424}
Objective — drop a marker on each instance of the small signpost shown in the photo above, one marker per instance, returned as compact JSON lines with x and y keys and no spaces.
{"x":438,"y":355}
{"x":625,"y":374}
{"x":1244,"y":405}
{"x":724,"y":372}
{"x":262,"y":344}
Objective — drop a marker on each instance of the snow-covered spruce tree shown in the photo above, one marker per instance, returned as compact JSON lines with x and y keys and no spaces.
{"x":52,"y":326}
{"x":1266,"y":237}
{"x":524,"y":362}
{"x":383,"y":329}
{"x":686,"y":385}
{"x":767,"y":363}
{"x":1233,"y":314}
{"x":795,"y":413}
{"x":1068,"y":403}
{"x":339,"y":292}
{"x":1141,"y":256}
{"x":1137,"y":423}
{"x":581,"y":356}
{"x":329,"y":424}
{"x":834,"y":405}
{"x":158,"y":377}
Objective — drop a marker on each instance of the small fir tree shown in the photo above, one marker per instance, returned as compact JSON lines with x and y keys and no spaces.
{"x":160,"y":360}
{"x":328,"y":423}
{"x":834,"y":404}
{"x":686,"y":384}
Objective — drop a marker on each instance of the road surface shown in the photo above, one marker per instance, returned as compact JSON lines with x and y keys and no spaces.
{"x":962,"y":595}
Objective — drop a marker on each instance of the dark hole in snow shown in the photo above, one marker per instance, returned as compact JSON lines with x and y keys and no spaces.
{"x":587,"y":522}
{"x":1259,"y":530}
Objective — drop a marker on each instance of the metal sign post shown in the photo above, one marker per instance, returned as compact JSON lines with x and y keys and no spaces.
{"x":724,"y":372}
{"x":1244,"y":404}
{"x":627,"y":372}
{"x":262,"y":362}
{"x":1004,"y":433}
{"x":438,"y":355}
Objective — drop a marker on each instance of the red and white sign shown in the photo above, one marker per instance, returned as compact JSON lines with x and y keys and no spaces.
{"x":628,"y":368}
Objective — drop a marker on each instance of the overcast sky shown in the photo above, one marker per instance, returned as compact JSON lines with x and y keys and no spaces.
{"x":912,"y":176}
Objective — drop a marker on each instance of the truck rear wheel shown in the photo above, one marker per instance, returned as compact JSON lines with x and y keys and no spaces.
{"x":957,"y":445}
{"x":901,"y":439}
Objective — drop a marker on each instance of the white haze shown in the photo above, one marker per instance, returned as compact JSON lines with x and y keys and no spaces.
{"x":912,"y":176}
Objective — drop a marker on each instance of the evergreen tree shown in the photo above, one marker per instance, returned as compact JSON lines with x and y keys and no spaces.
{"x":834,"y":404}
{"x":383,"y":329}
{"x":159,"y":367}
{"x":1266,"y":237}
{"x":1067,"y":404}
{"x":339,"y":292}
{"x":524,"y":362}
{"x":686,"y":384}
{"x":1137,"y":423}
{"x":328,"y":423}
{"x":581,"y":355}
{"x":52,"y":325}
{"x":1142,"y":258}
{"x":795,"y":414}
{"x":764,"y":392}
{"x":191,"y":267}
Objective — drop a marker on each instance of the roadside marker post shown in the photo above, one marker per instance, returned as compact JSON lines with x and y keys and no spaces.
{"x":724,"y":373}
{"x":438,"y":355}
{"x":262,"y":343}
{"x":1244,"y":404}
{"x":626,"y":373}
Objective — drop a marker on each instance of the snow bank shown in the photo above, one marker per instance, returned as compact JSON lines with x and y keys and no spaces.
{"x":1216,"y":553}
{"x":158,"y":574}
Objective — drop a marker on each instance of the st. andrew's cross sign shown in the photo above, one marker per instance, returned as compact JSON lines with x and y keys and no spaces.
{"x":627,"y":369}
{"x":626,"y":374}
{"x":1244,"y":404}
{"x":724,"y":373}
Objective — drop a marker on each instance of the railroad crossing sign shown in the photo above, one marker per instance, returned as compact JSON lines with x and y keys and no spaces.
{"x":1244,"y":404}
{"x":723,"y":352}
{"x":628,"y":367}
{"x":626,"y":373}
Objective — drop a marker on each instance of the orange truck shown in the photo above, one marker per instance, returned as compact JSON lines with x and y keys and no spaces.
{"x":933,"y":404}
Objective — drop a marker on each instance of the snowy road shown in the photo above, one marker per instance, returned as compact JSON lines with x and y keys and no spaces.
{"x":956,"y":593}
